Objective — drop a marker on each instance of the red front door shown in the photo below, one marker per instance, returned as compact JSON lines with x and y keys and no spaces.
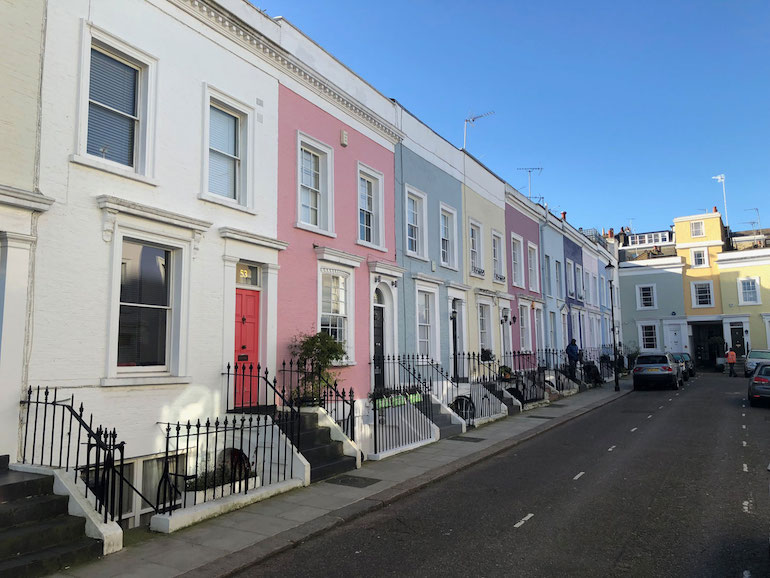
{"x":246,"y":346}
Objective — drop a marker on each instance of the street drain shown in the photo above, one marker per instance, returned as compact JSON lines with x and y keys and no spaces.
{"x":541,"y":416}
{"x":353,"y":481}
{"x":467,"y":439}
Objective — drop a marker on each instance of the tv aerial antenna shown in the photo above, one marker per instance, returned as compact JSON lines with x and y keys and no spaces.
{"x":529,"y":182}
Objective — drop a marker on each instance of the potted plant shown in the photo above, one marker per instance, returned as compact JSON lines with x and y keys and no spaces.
{"x":316,"y":352}
{"x":505,"y":373}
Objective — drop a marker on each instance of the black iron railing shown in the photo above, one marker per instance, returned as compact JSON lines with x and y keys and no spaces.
{"x":251,"y":389}
{"x":525,"y":375}
{"x":402,"y":415}
{"x":211,"y":460}
{"x":57,"y":435}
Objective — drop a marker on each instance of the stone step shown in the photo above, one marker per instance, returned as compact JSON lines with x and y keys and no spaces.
{"x":332,"y":468}
{"x":32,"y":509}
{"x":16,"y":485}
{"x":36,"y":536}
{"x":51,"y":559}
{"x":323,"y":453}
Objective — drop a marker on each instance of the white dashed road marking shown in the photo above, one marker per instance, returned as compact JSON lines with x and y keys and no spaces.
{"x":744,"y":426}
{"x":661,"y":407}
{"x":649,"y":416}
{"x":744,"y":443}
{"x":748,"y":506}
{"x":580,"y":475}
{"x":613,"y":447}
{"x":745,"y":467}
{"x":670,"y":399}
{"x":634,"y":429}
{"x":743,"y":415}
{"x":521,"y":522}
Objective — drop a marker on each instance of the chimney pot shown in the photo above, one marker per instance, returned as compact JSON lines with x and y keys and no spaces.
{"x":612,"y":232}
{"x":564,"y":215}
{"x":715,"y":210}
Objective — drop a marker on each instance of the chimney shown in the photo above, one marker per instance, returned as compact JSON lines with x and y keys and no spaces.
{"x":564,"y":215}
{"x":604,"y":233}
{"x":612,"y":233}
{"x":715,"y":210}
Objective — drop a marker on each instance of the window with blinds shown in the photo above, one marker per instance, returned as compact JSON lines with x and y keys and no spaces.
{"x":224,"y":153}
{"x":113,"y":116}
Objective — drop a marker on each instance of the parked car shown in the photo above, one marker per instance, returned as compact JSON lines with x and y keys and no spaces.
{"x":679,"y":358}
{"x":754,"y":356}
{"x":657,"y":369}
{"x":690,"y":363}
{"x":759,"y":384}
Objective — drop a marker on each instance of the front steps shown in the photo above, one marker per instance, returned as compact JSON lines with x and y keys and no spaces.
{"x":442,"y":420}
{"x":506,"y":400}
{"x":322,"y":452}
{"x":37,"y":536}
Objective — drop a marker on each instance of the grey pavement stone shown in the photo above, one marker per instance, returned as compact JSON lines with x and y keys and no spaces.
{"x":250,"y":522}
{"x":242,"y":559}
{"x":304,"y":513}
{"x":226,"y":538}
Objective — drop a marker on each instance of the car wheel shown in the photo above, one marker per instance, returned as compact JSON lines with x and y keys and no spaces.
{"x":692,"y":373}
{"x":686,"y":376}
{"x":752,"y":402}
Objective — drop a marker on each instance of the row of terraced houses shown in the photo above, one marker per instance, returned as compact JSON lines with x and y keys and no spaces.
{"x":190,"y":185}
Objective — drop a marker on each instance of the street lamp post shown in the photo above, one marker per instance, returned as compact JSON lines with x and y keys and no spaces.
{"x":610,"y":268}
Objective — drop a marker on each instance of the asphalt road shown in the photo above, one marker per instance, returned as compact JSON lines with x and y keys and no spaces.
{"x":658,"y":483}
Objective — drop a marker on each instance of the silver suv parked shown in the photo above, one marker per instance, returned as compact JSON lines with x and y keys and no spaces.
{"x":657,"y":369}
{"x":754,"y":357}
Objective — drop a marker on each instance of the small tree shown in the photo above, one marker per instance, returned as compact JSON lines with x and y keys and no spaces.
{"x":320,"y":351}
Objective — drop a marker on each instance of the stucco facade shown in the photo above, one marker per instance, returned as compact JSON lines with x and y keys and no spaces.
{"x":744,"y":278}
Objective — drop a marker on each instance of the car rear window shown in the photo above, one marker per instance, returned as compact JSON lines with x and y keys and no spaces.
{"x":651,"y":360}
{"x":678,"y":357}
{"x":759,"y":354}
{"x":764,"y":370}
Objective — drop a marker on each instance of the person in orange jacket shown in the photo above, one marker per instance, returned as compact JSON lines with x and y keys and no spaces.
{"x":731,"y":357}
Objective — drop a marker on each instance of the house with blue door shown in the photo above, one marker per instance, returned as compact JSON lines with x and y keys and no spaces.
{"x":554,"y":287}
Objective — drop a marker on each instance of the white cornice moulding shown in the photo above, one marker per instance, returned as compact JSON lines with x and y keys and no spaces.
{"x":457,"y":286}
{"x":427,"y":278}
{"x":252,"y":238}
{"x":337,"y":256}
{"x":384,"y":268}
{"x":13,"y":197}
{"x":118,"y":205}
{"x":744,"y":255}
{"x":268,"y":50}
{"x":696,"y":217}
{"x":695,"y":244}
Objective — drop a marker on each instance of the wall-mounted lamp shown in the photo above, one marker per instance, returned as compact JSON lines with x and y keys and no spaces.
{"x":377,"y":278}
{"x":394,"y":283}
{"x":453,"y":315}
{"x":504,"y":320}
{"x":513,"y":319}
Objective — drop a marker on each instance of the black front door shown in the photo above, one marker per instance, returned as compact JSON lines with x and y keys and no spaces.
{"x":379,"y":350}
{"x":736,"y":336}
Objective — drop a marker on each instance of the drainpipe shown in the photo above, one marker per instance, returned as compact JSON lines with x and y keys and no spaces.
{"x":541,"y":228}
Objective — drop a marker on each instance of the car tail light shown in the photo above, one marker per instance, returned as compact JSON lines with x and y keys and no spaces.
{"x":667,"y":368}
{"x":761,"y":380}
{"x":637,"y":369}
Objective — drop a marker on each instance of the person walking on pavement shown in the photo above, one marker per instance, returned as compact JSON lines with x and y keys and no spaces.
{"x":731,"y":358}
{"x":572,"y":356}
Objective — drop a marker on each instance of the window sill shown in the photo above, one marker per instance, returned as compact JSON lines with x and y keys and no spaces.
{"x":517,"y":285}
{"x":130,"y":380}
{"x":372,"y":246}
{"x":476,"y":275}
{"x":416,"y":256}
{"x":95,"y":163}
{"x":646,"y":308}
{"x":450,"y":267}
{"x":750,"y":304}
{"x":230,"y":204}
{"x":703,"y":306}
{"x":344,"y":363}
{"x":312,"y":229}
{"x":498,"y":281}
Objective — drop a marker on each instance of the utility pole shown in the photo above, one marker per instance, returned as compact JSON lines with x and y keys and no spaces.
{"x":529,"y":183}
{"x":721,"y":179}
{"x":472,"y":120}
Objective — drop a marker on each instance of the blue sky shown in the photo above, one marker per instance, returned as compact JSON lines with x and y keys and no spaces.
{"x":629,"y":107}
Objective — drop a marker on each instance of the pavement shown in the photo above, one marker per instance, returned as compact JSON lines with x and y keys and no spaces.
{"x":238,"y":540}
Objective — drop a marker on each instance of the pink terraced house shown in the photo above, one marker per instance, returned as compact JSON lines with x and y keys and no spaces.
{"x":525,"y":282}
{"x":335,"y":210}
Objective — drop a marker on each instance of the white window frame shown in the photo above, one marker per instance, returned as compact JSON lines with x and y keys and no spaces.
{"x":144,"y":149}
{"x":640,"y":331}
{"x":451,"y":212}
{"x":693,"y":301}
{"x":350,"y":305}
{"x":639,"y":305}
{"x":564,"y":330}
{"x":422,"y":217}
{"x":176,"y":337}
{"x":741,"y":300}
{"x":479,"y":249}
{"x":525,"y":329}
{"x":518,"y":278}
{"x":559,"y":279}
{"x":547,"y":276}
{"x":487,"y":307}
{"x":595,"y":289}
{"x":326,"y":182}
{"x":377,"y":178}
{"x":580,"y":287}
{"x":498,"y":267}
{"x":533,"y":267}
{"x":435,"y":329}
{"x":571,"y":284}
{"x":705,"y":252}
{"x":244,"y":200}
{"x":702,"y":229}
{"x":602,"y":291}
